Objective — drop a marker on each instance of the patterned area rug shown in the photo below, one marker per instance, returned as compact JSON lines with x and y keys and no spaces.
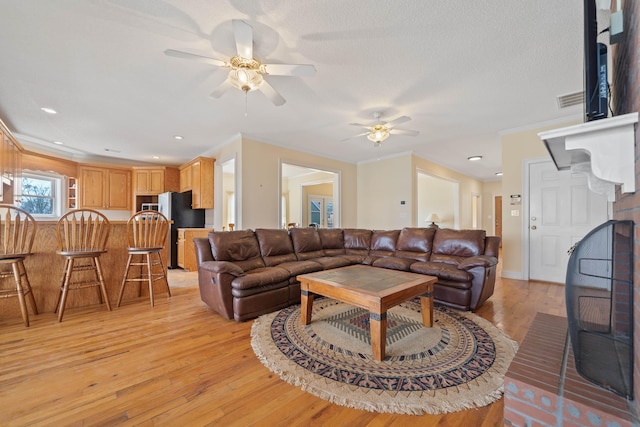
{"x":458,"y":364}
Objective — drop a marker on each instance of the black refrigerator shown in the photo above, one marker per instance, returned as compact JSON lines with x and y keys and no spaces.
{"x":177,"y":208}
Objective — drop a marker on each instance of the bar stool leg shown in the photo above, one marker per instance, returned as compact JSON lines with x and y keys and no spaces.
{"x":164,"y":273}
{"x":103,"y":288}
{"x":27,"y":287}
{"x":65,"y":288}
{"x":124,"y":279}
{"x":23,"y":303}
{"x":150,"y":277}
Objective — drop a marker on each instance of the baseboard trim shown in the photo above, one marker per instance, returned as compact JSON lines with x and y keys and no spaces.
{"x":517,"y":275}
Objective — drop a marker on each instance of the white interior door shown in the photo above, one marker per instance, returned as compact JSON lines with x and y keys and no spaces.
{"x":562,"y":210}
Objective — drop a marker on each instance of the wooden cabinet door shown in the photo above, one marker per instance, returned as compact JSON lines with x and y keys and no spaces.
{"x":142,"y":179}
{"x":149,"y":181}
{"x":156,"y":181}
{"x":185,"y":178}
{"x":92,"y":187}
{"x":119,"y":184}
{"x":195,"y":185}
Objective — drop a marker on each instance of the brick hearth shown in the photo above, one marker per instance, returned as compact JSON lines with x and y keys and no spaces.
{"x":543,"y":388}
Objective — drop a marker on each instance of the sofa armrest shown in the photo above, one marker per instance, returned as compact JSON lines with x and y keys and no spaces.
{"x":221,"y":267}
{"x":203,"y":250}
{"x":214,"y":281}
{"x":478,"y":261}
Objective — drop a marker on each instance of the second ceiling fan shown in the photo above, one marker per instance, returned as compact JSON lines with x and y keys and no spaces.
{"x":247,"y":73}
{"x":380,"y":129}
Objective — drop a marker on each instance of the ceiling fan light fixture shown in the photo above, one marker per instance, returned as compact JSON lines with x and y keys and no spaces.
{"x":378,"y":133}
{"x":245,"y":79}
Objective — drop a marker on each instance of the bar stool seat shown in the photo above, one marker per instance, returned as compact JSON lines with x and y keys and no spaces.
{"x":147,"y":233}
{"x":17,"y":231}
{"x":82,"y":237}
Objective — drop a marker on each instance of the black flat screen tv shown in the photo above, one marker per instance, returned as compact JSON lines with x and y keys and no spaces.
{"x":596,"y":89}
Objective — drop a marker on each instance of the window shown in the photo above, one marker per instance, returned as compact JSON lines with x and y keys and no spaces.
{"x":40,"y":195}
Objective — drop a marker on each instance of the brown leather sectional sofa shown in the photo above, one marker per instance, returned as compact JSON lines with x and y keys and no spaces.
{"x":244,"y":274}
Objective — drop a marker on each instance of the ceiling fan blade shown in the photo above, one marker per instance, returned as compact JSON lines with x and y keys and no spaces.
{"x":404,"y":132}
{"x":355,"y":136}
{"x":360,"y":125}
{"x":302,"y":70}
{"x":271,"y":93}
{"x":397,"y":121}
{"x":220,"y":90}
{"x":244,"y":38}
{"x":195,"y":56}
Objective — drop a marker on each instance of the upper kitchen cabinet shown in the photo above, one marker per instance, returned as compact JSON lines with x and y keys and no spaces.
{"x":151,"y":181}
{"x":197,"y":177}
{"x":10,"y":156}
{"x":104,"y":188}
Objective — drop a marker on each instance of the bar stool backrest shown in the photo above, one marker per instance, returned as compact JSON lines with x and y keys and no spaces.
{"x":83,"y":230}
{"x":147,"y":230}
{"x":17,"y":231}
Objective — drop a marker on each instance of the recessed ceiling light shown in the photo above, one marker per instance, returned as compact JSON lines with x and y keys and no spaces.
{"x":58,"y":143}
{"x":474,"y":158}
{"x":156,"y":157}
{"x":498,"y":173}
{"x":111,"y":150}
{"x":178,"y":137}
{"x":49,"y":110}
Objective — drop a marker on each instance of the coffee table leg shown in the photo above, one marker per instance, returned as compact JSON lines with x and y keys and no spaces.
{"x":306,"y":306}
{"x":426,"y":306}
{"x":378,"y":331}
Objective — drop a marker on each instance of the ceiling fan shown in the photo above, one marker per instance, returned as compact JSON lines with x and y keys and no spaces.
{"x":380,"y":129}
{"x":246,"y":73}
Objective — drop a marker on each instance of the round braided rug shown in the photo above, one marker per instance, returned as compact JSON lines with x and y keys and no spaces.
{"x":457,"y":364}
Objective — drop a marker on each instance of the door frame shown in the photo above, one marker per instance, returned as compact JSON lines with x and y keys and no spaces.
{"x":337,"y":179}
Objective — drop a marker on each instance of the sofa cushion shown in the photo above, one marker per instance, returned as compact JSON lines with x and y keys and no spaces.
{"x":442,"y":271}
{"x":306,"y":243}
{"x":415,"y":243}
{"x":383,"y":243}
{"x":275,"y":246}
{"x":461,"y":243}
{"x":394,"y":263}
{"x":357,"y":241}
{"x":261,"y":277}
{"x":332,"y":241}
{"x":329,"y":262}
{"x":301,"y":267}
{"x":240,"y":247}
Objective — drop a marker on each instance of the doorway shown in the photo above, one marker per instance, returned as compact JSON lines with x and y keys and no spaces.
{"x":436,"y":195}
{"x":229,"y":218}
{"x":309,"y":195}
{"x":497,"y":215}
{"x":562,"y":210}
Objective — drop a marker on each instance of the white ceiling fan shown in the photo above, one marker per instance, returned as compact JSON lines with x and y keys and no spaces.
{"x":247,"y":73}
{"x":380,"y":130}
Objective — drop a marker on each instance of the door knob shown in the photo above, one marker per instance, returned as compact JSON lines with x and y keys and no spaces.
{"x":533,"y":227}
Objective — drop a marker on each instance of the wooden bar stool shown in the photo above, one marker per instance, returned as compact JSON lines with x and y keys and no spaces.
{"x":82,"y":237}
{"x":17,"y":231}
{"x":147,"y":233}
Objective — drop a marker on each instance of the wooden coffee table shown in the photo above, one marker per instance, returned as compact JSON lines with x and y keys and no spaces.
{"x":372,"y":288}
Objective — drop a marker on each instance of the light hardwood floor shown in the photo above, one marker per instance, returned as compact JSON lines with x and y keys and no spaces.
{"x":180,"y":364}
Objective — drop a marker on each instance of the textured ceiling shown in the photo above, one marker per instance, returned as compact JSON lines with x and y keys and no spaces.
{"x":464,"y":71}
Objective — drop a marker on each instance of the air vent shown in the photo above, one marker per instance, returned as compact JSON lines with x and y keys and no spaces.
{"x":570,"y":99}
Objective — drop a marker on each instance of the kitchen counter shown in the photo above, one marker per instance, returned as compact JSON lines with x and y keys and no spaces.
{"x":44,"y":269}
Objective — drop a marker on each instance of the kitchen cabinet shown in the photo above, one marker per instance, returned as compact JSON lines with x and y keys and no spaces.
{"x":186,"y":248}
{"x":104,"y":188}
{"x":10,"y":164}
{"x":197,"y":177}
{"x":154,"y":180}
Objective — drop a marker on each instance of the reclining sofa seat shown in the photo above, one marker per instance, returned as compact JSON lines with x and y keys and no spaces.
{"x":243,"y":274}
